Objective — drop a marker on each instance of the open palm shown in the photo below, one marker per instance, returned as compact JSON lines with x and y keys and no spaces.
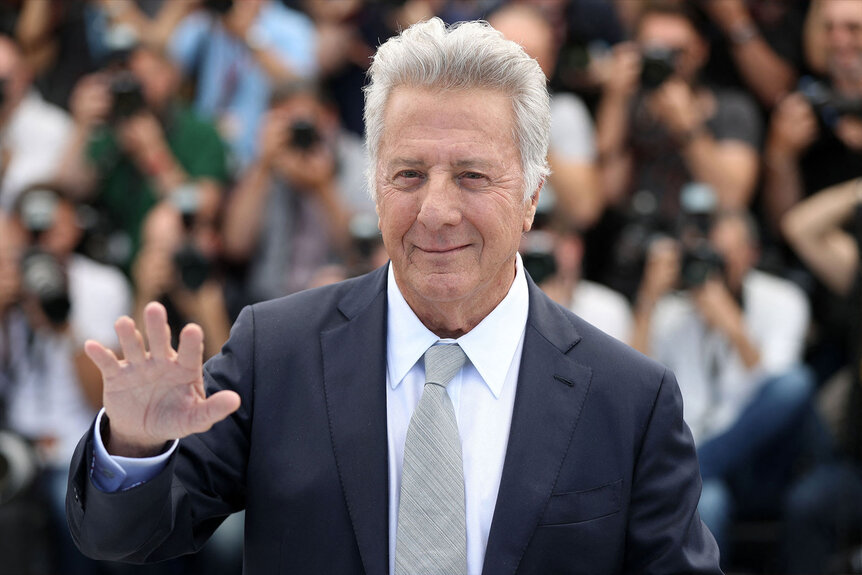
{"x":154,"y":396}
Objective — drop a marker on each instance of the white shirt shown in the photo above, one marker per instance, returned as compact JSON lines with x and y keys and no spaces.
{"x":482,"y":393}
{"x":604,"y":308}
{"x":32,"y":143}
{"x":715,"y":384}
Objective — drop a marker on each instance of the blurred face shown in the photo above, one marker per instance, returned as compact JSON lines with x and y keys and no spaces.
{"x":63,"y":236}
{"x":731,"y":240}
{"x":528,"y":30}
{"x":159,"y":79}
{"x":450,"y":196}
{"x":674,"y":33}
{"x":842,"y":22}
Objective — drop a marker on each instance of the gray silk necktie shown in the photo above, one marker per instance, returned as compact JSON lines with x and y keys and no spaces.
{"x":432,"y":533}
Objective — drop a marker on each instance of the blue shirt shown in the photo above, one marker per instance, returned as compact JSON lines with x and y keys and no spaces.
{"x":231,"y":86}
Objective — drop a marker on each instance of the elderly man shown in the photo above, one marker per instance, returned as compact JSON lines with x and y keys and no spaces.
{"x":554,"y":448}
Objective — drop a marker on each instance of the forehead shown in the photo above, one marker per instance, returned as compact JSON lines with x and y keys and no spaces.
{"x":667,"y":28}
{"x":423,"y":119}
{"x":837,"y":12}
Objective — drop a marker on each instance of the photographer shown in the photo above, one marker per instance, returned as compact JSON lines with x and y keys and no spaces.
{"x":553,"y":256}
{"x":734,"y":335}
{"x":290,"y":212}
{"x":236,"y":52}
{"x":32,"y":131}
{"x":824,"y":509}
{"x":134,"y":144}
{"x":177,"y":265}
{"x":658,"y":127}
{"x":53,"y":300}
{"x":815,"y":134}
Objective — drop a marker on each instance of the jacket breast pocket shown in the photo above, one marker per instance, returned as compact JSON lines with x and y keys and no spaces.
{"x":578,"y":506}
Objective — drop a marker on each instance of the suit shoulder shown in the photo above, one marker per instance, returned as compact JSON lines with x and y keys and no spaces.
{"x":318,"y":307}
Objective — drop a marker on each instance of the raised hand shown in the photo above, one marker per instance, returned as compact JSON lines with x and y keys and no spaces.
{"x":154,"y":396}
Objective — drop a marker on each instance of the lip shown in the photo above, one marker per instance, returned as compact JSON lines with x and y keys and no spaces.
{"x":435,"y":251}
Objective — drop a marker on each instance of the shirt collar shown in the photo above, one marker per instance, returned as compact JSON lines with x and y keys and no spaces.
{"x":490,"y":346}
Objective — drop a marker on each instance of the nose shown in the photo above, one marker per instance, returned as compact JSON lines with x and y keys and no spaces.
{"x":441,"y":203}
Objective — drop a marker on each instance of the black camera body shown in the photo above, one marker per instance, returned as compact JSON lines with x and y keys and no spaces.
{"x":128,"y":96}
{"x":303,"y":135}
{"x":191,"y":264}
{"x":658,"y":64}
{"x":830,"y":107}
{"x":699,"y":263}
{"x":44,"y":277}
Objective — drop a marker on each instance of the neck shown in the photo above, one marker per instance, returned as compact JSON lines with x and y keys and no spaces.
{"x":452,"y":319}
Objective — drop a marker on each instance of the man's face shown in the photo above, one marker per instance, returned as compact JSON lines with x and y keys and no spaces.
{"x":842,"y":25}
{"x":450,"y":192}
{"x":159,"y":79}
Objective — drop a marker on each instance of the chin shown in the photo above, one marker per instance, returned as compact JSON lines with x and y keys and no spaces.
{"x":444,"y":288}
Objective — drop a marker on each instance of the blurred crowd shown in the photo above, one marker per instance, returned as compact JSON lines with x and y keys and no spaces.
{"x":705,"y":207}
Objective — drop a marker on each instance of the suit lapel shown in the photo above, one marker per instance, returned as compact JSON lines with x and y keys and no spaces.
{"x":551,"y":392}
{"x":354,"y":369}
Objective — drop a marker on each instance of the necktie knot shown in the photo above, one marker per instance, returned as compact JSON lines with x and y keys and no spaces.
{"x":442,"y":362}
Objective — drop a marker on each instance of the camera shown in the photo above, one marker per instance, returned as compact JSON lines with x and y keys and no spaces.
{"x":537,"y":254}
{"x":303,"y":135}
{"x":699,"y":263}
{"x":828,"y":105}
{"x":38,"y":209}
{"x":44,"y":277}
{"x":218,"y":6}
{"x":658,"y":64}
{"x":128,"y":96}
{"x":192,"y":266}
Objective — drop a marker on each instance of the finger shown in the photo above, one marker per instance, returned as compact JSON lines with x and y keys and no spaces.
{"x":103,"y":357}
{"x":131,"y":341}
{"x":214,"y":409}
{"x":158,"y":331}
{"x":190,"y":352}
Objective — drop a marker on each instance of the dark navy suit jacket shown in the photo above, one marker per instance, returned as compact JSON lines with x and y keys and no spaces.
{"x":600,"y":474}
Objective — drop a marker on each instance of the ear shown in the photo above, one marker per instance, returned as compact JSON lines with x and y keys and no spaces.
{"x":530,"y":214}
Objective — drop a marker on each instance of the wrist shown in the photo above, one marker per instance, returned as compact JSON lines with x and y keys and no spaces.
{"x":121,"y":445}
{"x":157,"y":161}
{"x":742,"y":32}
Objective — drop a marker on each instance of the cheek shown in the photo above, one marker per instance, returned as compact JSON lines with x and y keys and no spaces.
{"x":396,"y":214}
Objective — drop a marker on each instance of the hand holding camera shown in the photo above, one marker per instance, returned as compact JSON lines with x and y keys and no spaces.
{"x":793,"y":127}
{"x":717,"y":307}
{"x":307,"y":160}
{"x":624,"y":73}
{"x":675,"y":105}
{"x":274,"y":136}
{"x":91,"y":100}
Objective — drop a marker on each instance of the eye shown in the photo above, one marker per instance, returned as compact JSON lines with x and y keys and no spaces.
{"x":472,"y":180}
{"x":408,"y":175}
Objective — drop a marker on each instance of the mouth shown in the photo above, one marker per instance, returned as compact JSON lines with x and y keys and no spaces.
{"x":441,"y":250}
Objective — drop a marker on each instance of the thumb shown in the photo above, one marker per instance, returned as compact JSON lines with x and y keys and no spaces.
{"x":215,"y":408}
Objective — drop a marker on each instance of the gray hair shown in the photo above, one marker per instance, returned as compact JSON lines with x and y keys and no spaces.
{"x":466,"y":55}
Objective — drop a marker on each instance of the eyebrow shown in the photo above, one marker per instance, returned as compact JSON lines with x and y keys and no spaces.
{"x":459,"y":164}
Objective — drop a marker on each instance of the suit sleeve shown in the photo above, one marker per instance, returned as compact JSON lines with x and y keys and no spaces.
{"x":176,"y":511}
{"x":665,"y":534}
